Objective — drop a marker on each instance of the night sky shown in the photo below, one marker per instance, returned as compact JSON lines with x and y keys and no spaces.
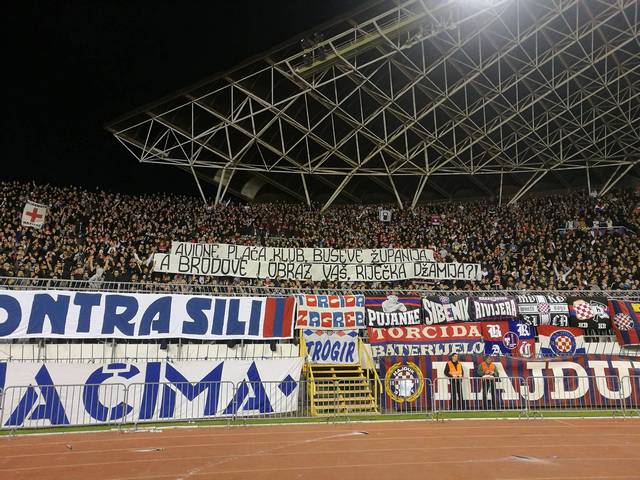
{"x":73,"y":66}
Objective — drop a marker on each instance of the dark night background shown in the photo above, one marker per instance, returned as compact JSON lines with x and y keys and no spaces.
{"x":73,"y":66}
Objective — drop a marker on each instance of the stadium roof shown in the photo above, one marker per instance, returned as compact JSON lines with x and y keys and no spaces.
{"x":419,"y":99}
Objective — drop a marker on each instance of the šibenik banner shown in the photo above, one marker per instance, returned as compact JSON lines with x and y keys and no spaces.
{"x":426,"y":340}
{"x":330,"y":312}
{"x":65,"y":314}
{"x":392,"y":311}
{"x":579,"y":381}
{"x":332,"y":346}
{"x":77,"y":394}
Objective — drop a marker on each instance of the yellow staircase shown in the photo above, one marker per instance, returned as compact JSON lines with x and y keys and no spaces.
{"x":341,"y":389}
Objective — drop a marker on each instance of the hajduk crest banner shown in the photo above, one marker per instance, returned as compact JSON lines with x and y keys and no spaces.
{"x":67,"y":314}
{"x":446,"y":309}
{"x":331,"y":346}
{"x":626,"y":321}
{"x":589,"y":312}
{"x":330,"y":312}
{"x":578,"y":381}
{"x":392,"y":311}
{"x":426,"y":340}
{"x":560,"y":341}
{"x":543,"y":309}
{"x":309,"y":264}
{"x":513,"y":337}
{"x":82,"y":393}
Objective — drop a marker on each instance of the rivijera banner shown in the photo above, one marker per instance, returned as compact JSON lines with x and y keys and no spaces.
{"x":543,"y":309}
{"x":426,"y":340}
{"x":392,"y":311}
{"x":330,"y":312}
{"x":331,"y":346}
{"x":489,"y":309}
{"x":66,"y":314}
{"x":80,"y":393}
{"x":447,"y":309}
{"x":301,"y":255}
{"x":579,"y":381}
{"x":589,"y":312}
{"x":314,"y":272}
{"x":626,"y":321}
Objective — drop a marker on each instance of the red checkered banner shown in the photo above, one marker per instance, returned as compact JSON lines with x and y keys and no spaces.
{"x":589,"y":312}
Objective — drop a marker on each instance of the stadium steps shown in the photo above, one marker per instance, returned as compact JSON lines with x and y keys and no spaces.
{"x":341,"y":389}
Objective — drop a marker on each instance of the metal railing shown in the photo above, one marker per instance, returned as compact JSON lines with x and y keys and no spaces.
{"x":19,"y":283}
{"x":119,"y":404}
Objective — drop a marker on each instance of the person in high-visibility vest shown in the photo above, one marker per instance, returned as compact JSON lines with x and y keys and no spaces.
{"x":453,"y":370}
{"x":487,"y":371}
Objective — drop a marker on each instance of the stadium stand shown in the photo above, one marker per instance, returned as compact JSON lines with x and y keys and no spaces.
{"x":567,"y":242}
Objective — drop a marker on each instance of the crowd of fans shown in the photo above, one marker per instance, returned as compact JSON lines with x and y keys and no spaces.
{"x":100,"y":236}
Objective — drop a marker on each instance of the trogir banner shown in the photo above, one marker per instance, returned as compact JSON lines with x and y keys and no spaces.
{"x":66,"y":314}
{"x":79,"y":393}
{"x":332,"y":346}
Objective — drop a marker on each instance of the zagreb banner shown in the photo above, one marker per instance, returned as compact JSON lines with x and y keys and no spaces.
{"x":426,"y":340}
{"x":80,"y":393}
{"x":392,"y":311}
{"x":626,"y":321}
{"x":543,"y":309}
{"x":330,"y":312}
{"x":579,"y":381}
{"x":332,"y":346}
{"x":66,"y":314}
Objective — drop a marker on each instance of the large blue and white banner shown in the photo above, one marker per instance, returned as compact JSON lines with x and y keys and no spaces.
{"x":65,"y":314}
{"x":43,"y":394}
{"x":332,"y":346}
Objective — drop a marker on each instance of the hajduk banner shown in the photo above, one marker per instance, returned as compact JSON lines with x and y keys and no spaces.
{"x":626,"y":321}
{"x":392,"y":311}
{"x":330,"y":312}
{"x":426,"y":340}
{"x":579,"y":381}
{"x":543,"y":309}
{"x":447,"y":309}
{"x":66,"y":314}
{"x":331,"y":346}
{"x":589,"y":312}
{"x":513,"y":337}
{"x":42,"y":394}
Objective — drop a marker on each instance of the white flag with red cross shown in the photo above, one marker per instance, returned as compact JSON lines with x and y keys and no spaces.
{"x":34,"y":214}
